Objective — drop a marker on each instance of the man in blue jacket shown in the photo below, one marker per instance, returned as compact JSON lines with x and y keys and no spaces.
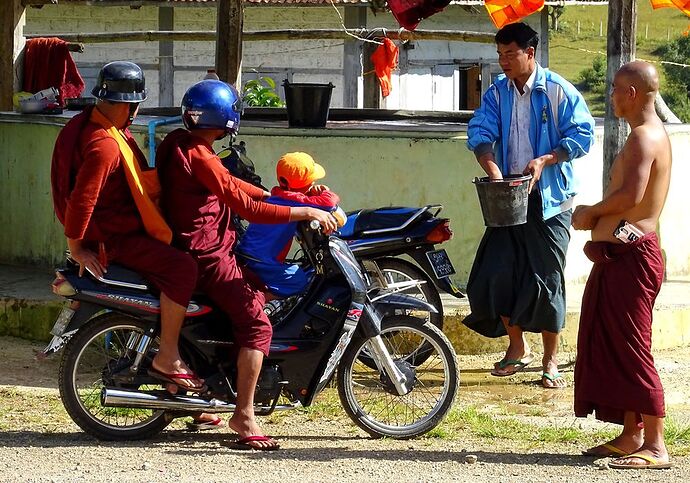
{"x":531,"y":121}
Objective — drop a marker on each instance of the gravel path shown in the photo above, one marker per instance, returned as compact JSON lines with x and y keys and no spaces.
{"x":39,"y":443}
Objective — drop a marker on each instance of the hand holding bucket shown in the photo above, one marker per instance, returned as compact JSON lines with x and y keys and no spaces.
{"x":504,"y":201}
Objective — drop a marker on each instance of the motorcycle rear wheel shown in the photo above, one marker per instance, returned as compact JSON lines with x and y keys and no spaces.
{"x":371,"y":402}
{"x":397,"y":270}
{"x":91,"y":356}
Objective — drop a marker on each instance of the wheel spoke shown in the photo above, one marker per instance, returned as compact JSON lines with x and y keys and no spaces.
{"x":377,"y":403}
{"x":103,"y":357}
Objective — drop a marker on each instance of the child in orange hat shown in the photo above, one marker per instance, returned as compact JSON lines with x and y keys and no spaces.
{"x":264,"y":247}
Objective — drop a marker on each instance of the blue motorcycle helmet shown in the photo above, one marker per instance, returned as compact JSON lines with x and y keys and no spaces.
{"x":212,"y":104}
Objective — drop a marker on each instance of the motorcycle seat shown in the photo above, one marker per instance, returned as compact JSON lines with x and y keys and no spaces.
{"x":370,"y":223}
{"x":117,"y":276}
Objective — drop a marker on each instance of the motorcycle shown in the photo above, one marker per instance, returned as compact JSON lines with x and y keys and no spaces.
{"x":110,"y":334}
{"x":378,"y":238}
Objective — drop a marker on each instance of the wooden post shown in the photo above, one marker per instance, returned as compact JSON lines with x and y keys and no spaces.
{"x":544,"y":38}
{"x":355,"y":17}
{"x":620,"y":49}
{"x":166,"y":59}
{"x":372,"y":90}
{"x":230,"y":18}
{"x":12,"y":21}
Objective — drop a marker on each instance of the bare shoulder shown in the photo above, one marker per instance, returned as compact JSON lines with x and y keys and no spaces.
{"x":647,"y":141}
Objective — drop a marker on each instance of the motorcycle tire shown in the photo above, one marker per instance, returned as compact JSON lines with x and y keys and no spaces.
{"x":393,"y":268}
{"x":368,"y":411}
{"x":92,"y":420}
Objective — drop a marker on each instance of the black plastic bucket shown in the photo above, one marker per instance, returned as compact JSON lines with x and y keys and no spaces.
{"x":503,"y":202}
{"x":307,"y":104}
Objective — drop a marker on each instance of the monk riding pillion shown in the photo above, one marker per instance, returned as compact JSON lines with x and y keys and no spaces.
{"x":198,"y":197}
{"x":531,"y":121}
{"x":615,"y":375}
{"x":105,"y":196}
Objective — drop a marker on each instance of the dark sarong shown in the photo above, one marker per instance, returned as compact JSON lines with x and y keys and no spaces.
{"x":614,"y":371}
{"x":518,"y":273}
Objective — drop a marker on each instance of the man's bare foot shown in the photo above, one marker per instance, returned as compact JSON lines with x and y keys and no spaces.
{"x":204,"y":422}
{"x":177,"y":372}
{"x":623,"y":445}
{"x":551,"y":378}
{"x":515,"y":360}
{"x":643,"y":458}
{"x":246,"y":427}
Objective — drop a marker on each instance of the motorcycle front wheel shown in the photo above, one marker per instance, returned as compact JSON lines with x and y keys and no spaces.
{"x":369,"y":397}
{"x":96,"y":353}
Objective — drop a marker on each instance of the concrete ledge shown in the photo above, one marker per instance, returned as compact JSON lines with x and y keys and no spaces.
{"x":28,"y":319}
{"x":28,"y":309}
{"x":670,"y":328}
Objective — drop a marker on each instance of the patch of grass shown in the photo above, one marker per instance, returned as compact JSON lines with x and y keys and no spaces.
{"x":677,"y":436}
{"x":568,"y":49}
{"x":326,"y":406}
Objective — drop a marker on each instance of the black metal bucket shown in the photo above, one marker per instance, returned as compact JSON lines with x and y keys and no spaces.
{"x":503,"y":202}
{"x":307,"y":104}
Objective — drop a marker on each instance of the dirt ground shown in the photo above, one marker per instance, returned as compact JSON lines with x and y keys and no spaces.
{"x":518,"y":431}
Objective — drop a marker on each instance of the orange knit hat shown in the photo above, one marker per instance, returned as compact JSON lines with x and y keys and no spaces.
{"x":298,"y":170}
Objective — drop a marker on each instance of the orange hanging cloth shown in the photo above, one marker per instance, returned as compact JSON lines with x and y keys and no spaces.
{"x":503,"y":12}
{"x":385,"y":60}
{"x":682,"y":5}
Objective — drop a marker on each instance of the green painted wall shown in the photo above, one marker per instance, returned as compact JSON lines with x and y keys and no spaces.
{"x":29,"y":231}
{"x":368,"y":167}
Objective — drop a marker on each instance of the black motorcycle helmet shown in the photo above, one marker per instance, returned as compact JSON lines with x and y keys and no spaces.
{"x":121,"y":81}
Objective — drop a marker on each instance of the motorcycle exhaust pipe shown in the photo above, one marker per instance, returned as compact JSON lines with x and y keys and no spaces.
{"x":124,"y":398}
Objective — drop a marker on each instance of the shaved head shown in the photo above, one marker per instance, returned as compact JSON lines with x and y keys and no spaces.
{"x":641,"y":75}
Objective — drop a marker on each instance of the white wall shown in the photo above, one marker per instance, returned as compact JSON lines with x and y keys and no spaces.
{"x":304,"y":60}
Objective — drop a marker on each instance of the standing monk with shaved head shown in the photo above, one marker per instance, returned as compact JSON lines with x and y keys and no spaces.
{"x":614,"y":374}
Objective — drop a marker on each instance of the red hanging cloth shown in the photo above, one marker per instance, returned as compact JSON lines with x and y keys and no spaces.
{"x":48,"y":63}
{"x":409,"y":13}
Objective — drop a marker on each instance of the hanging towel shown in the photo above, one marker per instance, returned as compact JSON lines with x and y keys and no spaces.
{"x":48,"y":63}
{"x":385,"y":60}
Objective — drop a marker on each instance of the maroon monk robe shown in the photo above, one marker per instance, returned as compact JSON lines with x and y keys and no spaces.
{"x":198,"y":194}
{"x":99,"y":206}
{"x":614,"y":371}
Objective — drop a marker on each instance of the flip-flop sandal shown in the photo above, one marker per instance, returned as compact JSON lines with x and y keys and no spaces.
{"x":553,"y":379}
{"x":244,"y":443}
{"x":518,"y":364}
{"x":205,"y":425}
{"x":650,"y":463}
{"x":613,"y":451}
{"x":171,"y":376}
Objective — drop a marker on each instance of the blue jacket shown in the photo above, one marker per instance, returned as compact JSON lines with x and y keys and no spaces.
{"x":561,"y":122}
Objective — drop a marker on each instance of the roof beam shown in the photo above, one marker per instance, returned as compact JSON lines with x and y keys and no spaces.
{"x":333,"y":34}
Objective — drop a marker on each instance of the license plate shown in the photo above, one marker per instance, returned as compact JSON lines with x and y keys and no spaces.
{"x":63,"y":319}
{"x":440,"y":263}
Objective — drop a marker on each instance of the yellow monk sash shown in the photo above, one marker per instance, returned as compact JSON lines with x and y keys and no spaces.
{"x":145,"y":188}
